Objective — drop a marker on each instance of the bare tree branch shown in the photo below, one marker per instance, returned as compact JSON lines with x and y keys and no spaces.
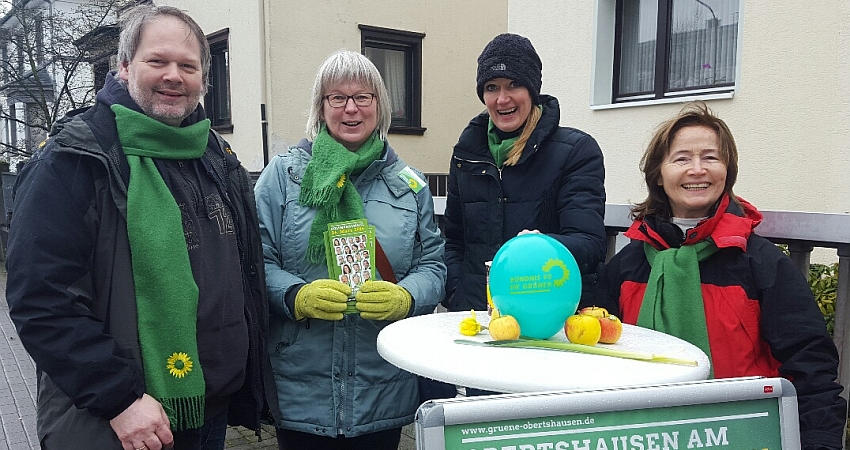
{"x":47,"y":64}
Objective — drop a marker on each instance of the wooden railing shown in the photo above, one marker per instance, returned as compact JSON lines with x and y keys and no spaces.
{"x":802,"y":232}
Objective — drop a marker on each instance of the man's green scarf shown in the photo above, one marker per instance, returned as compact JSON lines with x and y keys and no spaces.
{"x":327,"y":185}
{"x":672,"y":302}
{"x":166,"y":293}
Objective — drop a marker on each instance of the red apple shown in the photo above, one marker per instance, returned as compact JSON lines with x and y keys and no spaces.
{"x":595,"y":311}
{"x":612,"y":329}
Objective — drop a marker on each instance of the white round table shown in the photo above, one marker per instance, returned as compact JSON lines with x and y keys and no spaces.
{"x":425,"y":345}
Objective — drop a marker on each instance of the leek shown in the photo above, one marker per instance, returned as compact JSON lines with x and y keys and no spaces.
{"x":580,"y":348}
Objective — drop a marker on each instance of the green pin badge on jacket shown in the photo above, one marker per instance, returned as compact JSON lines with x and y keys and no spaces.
{"x":414,"y":181}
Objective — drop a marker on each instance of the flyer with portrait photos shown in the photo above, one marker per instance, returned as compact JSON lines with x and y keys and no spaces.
{"x":350,"y":252}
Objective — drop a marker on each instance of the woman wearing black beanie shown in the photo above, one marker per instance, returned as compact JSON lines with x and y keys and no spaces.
{"x":515,"y":170}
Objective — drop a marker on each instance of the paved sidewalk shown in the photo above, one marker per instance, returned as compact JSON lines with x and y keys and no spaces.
{"x":17,"y":385}
{"x":18,"y":393}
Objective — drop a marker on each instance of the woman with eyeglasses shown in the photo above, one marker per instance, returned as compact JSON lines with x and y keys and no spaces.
{"x":335,"y":390}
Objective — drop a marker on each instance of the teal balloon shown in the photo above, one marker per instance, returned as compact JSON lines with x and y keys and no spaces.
{"x":535,"y":279}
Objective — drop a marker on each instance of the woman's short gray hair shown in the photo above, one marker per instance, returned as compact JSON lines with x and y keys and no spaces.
{"x":131,"y":32}
{"x":341,"y":67}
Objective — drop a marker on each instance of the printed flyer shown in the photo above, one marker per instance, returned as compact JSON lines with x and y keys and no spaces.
{"x":350,"y":252}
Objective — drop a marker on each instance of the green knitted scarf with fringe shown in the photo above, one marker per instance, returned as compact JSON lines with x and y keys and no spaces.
{"x":673,"y":302}
{"x":166,"y":293}
{"x":327,"y":186}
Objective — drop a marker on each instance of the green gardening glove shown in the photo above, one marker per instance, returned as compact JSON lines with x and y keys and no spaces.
{"x":382,"y":300}
{"x":322,"y":299}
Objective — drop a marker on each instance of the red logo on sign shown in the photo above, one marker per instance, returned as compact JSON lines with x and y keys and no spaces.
{"x":768,"y":389}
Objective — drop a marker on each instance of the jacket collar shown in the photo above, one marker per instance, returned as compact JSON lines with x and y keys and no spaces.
{"x":730,"y":226}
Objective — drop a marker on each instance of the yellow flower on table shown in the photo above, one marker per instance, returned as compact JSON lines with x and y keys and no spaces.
{"x":470,"y":326}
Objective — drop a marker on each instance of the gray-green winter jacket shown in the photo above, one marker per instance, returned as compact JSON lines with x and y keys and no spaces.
{"x":330,"y":378}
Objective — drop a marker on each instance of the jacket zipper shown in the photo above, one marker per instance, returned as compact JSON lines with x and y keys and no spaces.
{"x":499,"y":169}
{"x":341,"y":374}
{"x":654,"y":242}
{"x":246,"y":260}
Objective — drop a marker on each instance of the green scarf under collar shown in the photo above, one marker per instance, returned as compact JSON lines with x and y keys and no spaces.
{"x":327,"y":185}
{"x":499,"y":147}
{"x":673,"y":301}
{"x":166,"y":293}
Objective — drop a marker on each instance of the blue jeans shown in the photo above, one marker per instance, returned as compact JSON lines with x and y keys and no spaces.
{"x":209,"y":437}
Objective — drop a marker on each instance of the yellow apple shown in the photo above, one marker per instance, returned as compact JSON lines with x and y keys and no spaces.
{"x":583,"y":329}
{"x":504,"y":328}
{"x":595,"y":311}
{"x":612,"y":329}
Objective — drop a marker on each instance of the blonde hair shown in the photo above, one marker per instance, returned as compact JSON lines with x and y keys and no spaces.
{"x":347,"y":66}
{"x":519,"y":145}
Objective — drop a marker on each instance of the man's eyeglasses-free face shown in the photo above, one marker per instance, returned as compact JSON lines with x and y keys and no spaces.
{"x":339,"y":100}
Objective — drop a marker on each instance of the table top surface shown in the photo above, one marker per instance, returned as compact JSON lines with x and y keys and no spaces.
{"x":425,"y":345}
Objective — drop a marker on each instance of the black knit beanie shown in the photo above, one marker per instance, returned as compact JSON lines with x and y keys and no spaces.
{"x":510,"y":56}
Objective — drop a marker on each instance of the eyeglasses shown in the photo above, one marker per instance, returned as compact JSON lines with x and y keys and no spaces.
{"x":339,"y":100}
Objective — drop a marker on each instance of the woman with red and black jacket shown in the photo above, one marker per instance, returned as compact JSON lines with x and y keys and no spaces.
{"x":696,"y":270}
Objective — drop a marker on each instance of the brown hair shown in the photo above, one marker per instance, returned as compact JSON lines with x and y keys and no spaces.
{"x":693,"y":114}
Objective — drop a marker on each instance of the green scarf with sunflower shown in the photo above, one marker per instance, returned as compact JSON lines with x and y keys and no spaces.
{"x":327,"y":185}
{"x":166,"y":293}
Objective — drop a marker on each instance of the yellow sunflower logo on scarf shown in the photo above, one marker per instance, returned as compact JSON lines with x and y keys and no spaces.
{"x":179,"y":364}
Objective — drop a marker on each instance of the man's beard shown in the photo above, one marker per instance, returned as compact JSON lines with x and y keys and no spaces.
{"x":165,"y":113}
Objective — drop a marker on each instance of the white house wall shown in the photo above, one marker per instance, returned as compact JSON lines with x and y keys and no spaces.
{"x":790,"y":113}
{"x":299,"y":35}
{"x":305,"y":33}
{"x":246,"y":68}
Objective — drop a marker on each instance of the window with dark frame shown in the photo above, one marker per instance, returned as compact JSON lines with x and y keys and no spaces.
{"x":670,"y":48}
{"x":398,"y":57}
{"x":217,"y":99}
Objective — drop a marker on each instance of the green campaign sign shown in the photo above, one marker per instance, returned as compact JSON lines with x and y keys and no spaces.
{"x":741,"y":425}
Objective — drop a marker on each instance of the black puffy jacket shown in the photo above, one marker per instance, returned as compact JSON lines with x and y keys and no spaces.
{"x":557,"y":187}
